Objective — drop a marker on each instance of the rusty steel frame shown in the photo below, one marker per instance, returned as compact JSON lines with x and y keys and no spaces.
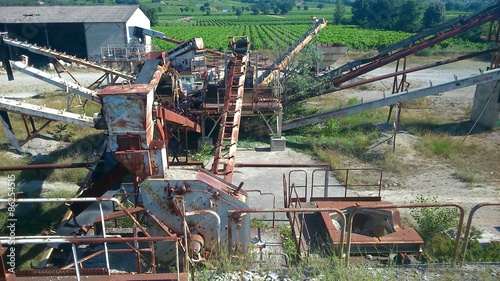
{"x":494,"y":31}
{"x":227,"y":140}
{"x":397,"y":87}
{"x":294,"y":49}
{"x":290,"y":185}
{"x":34,"y":132}
{"x":410,"y":70}
{"x":378,"y":61}
{"x":100,"y":252}
{"x":494,"y":36}
{"x":274,"y":201}
{"x":346,"y":180}
{"x":238,"y":212}
{"x":20,"y":240}
{"x":408,"y":206}
{"x":94,"y":239}
{"x":480,"y":20}
{"x":300,"y":227}
{"x":469,"y":226}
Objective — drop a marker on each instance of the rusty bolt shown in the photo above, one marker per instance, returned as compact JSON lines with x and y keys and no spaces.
{"x":216,"y":195}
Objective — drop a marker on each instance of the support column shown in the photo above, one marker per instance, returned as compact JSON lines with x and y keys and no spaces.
{"x":486,"y":107}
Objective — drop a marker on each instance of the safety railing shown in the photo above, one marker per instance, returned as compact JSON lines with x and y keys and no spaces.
{"x":104,"y":239}
{"x":469,"y":226}
{"x":293,"y":211}
{"x":303,"y":184}
{"x":124,"y":52}
{"x":344,"y":177}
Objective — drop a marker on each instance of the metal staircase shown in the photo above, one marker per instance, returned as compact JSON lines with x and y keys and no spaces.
{"x":226,"y":145}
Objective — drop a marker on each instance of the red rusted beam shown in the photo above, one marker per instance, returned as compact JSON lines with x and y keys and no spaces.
{"x":45,"y":166}
{"x":413,"y":49}
{"x":179,"y":119}
{"x":418,"y":68}
{"x":34,"y":133}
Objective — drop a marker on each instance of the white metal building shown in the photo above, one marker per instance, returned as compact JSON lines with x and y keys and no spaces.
{"x":77,"y":30}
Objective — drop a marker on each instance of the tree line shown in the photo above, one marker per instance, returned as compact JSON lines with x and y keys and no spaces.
{"x":401,"y":15}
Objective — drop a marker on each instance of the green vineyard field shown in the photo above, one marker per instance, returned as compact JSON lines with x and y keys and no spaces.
{"x":279,"y":36}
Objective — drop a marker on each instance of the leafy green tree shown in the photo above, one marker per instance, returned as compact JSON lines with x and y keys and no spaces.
{"x":203,"y":8}
{"x":255,"y":10}
{"x":457,"y":6}
{"x":306,"y":7}
{"x":298,"y":7}
{"x":409,"y":18}
{"x":382,"y":14}
{"x":433,"y":15}
{"x":153,"y":16}
{"x":449,"y":6}
{"x":239,"y":11}
{"x":360,"y":11}
{"x":338,"y":16}
{"x":265,"y":9}
{"x":286,"y":6}
{"x":474,"y":6}
{"x":320,"y":6}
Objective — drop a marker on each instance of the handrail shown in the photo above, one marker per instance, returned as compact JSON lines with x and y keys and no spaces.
{"x":469,"y":225}
{"x":104,"y":238}
{"x":274,"y":201}
{"x":284,"y":210}
{"x":305,"y":181}
{"x":346,"y":184}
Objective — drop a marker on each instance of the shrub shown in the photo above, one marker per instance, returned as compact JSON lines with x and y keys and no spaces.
{"x":435,"y":220}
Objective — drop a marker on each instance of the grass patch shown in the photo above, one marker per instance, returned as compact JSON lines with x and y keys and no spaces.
{"x":453,"y":151}
{"x":422,"y":103}
{"x":465,"y":175}
{"x":350,"y":135}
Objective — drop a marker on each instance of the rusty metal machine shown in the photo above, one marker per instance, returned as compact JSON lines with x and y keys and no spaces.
{"x":182,"y":211}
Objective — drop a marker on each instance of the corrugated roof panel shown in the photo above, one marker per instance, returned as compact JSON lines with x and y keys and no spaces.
{"x":65,"y":14}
